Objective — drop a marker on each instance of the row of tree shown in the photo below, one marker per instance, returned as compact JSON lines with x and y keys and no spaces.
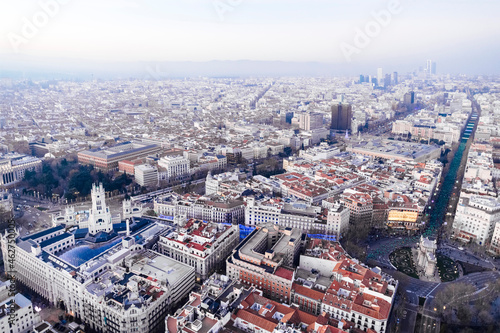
{"x":66,"y":178}
{"x":460,"y":305}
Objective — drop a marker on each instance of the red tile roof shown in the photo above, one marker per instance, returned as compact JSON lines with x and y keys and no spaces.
{"x":284,"y":273}
{"x":250,"y":316}
{"x":307,"y":292}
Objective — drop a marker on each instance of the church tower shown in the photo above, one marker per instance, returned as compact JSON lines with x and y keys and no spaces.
{"x":100,"y":216}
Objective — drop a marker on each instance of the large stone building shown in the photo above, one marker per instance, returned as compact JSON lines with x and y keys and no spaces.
{"x":394,"y":150}
{"x":108,"y":158}
{"x":403,"y":215}
{"x":199,"y":244}
{"x":198,"y":207}
{"x":476,"y":218}
{"x":310,"y":121}
{"x":13,"y":166}
{"x":70,"y":216}
{"x":146,"y":175}
{"x":298,"y":215}
{"x":177,"y":168}
{"x":263,"y":259}
{"x":122,"y":288}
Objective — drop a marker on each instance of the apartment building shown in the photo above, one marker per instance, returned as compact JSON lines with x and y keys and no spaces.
{"x":299,"y":215}
{"x":25,"y":315}
{"x":13,"y":166}
{"x":359,"y":296}
{"x":360,"y":207}
{"x":263,"y":259}
{"x":201,"y":245}
{"x":199,"y":207}
{"x":338,"y":219}
{"x":476,"y":218}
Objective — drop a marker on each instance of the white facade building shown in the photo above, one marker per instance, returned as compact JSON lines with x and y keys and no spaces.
{"x":177,"y":167}
{"x":298,"y":215}
{"x":13,"y":166}
{"x":193,"y":207}
{"x":25,"y":316}
{"x":201,"y":245}
{"x":146,"y":175}
{"x":338,"y":219}
{"x":321,"y":152}
{"x":476,"y":218}
{"x":124,"y":289}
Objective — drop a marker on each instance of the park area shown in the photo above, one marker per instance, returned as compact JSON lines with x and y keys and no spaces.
{"x":403,"y":261}
{"x":447,"y":268}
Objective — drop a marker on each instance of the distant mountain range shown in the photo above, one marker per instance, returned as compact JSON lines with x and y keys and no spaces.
{"x":22,"y":66}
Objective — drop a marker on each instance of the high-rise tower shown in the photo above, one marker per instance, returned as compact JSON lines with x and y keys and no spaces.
{"x":431,"y":67}
{"x":341,"y":117}
{"x":380,"y":76}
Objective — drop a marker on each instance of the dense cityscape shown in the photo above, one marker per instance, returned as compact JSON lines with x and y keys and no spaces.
{"x":241,"y":195}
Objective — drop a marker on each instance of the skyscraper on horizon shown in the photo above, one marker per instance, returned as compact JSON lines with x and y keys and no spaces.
{"x":387,"y":80}
{"x":431,"y":67}
{"x":380,"y":76}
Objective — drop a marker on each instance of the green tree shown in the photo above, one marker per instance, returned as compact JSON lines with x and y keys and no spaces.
{"x":150,"y":212}
{"x":82,"y":180}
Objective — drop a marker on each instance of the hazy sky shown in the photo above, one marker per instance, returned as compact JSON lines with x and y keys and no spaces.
{"x":455,"y":33}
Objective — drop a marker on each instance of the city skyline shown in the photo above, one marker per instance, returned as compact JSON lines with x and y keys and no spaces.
{"x":249,"y":166}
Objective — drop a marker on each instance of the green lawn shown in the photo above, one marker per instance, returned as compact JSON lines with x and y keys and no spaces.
{"x":447,"y":268}
{"x":403,"y":261}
